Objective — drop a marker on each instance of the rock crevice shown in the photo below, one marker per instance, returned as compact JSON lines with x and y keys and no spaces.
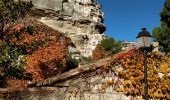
{"x":75,"y":18}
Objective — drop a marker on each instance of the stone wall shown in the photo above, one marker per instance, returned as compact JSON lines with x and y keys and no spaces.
{"x":51,"y":93}
{"x":86,"y":86}
{"x":89,"y":82}
{"x":81,"y":20}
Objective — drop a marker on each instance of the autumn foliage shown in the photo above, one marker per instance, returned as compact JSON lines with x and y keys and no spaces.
{"x":130,"y":74}
{"x":46,"y":62}
{"x":99,"y":53}
{"x":107,"y":47}
{"x":44,"y":50}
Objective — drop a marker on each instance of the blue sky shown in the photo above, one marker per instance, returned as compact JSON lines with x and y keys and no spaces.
{"x":125,"y":18}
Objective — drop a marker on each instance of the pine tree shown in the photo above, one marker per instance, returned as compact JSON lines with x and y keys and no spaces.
{"x":162,"y":33}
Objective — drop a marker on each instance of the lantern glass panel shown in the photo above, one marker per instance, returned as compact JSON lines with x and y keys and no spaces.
{"x":144,"y":41}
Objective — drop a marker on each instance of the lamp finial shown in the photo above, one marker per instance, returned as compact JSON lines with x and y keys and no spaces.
{"x":143,"y":29}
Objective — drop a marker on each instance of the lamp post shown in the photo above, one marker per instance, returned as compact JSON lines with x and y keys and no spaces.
{"x":144,"y":43}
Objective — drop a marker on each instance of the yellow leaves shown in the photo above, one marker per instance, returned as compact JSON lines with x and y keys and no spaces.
{"x":165,"y":67}
{"x":119,"y":89}
{"x":109,"y":82}
{"x":126,"y":90}
{"x":133,"y":75}
{"x":157,"y":95}
{"x":127,"y":82}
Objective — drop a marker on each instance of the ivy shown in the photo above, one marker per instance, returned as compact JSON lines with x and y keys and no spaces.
{"x":11,"y":61}
{"x":13,"y":56}
{"x":132,"y":75}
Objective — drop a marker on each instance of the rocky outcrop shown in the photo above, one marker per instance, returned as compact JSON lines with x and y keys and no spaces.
{"x":81,"y":20}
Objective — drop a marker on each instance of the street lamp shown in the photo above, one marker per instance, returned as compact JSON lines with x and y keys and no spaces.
{"x":144,"y":43}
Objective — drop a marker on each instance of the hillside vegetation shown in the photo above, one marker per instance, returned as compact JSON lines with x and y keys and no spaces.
{"x":129,"y":70}
{"x":31,"y":51}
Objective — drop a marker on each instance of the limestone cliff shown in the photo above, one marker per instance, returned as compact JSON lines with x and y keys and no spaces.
{"x":81,"y":20}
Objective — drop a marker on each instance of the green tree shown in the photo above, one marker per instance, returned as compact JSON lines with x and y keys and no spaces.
{"x":12,"y":12}
{"x":109,"y":44}
{"x":162,"y":33}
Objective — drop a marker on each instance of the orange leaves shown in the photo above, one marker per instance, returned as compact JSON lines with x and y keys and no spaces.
{"x":124,"y":55}
{"x":36,"y":37}
{"x":16,"y":84}
{"x":133,"y":75}
{"x":100,"y":53}
{"x":18,"y":27}
{"x":53,"y":53}
{"x":45,"y":51}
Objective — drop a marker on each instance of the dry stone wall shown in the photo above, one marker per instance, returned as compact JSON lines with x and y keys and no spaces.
{"x":87,"y":86}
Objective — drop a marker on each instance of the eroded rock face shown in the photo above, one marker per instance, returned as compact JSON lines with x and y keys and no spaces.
{"x":81,"y":20}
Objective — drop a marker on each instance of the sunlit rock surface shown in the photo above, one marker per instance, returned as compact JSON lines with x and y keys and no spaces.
{"x":81,"y":20}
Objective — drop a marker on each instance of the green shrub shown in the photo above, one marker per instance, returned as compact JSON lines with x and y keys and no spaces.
{"x":12,"y":12}
{"x":11,"y":62}
{"x":12,"y":58}
{"x":29,"y":29}
{"x":71,"y":62}
{"x":85,"y":60}
{"x":117,"y":47}
{"x":109,"y":44}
